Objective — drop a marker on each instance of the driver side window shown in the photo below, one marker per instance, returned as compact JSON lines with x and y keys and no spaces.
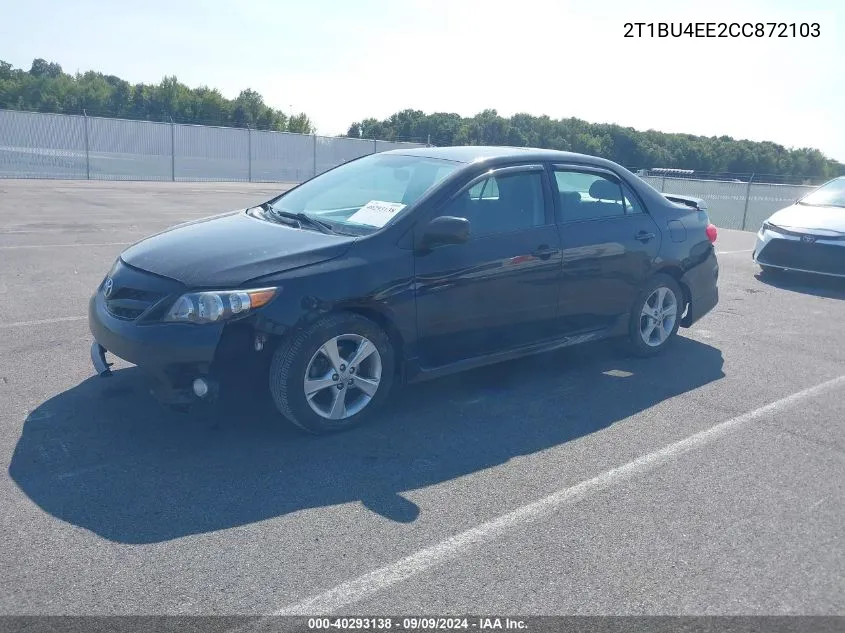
{"x":501,"y":204}
{"x":486,"y":189}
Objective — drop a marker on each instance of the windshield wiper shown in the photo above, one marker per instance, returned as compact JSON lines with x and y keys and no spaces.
{"x":323,"y":227}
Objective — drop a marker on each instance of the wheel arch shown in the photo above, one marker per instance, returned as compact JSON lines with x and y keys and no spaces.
{"x":385,"y":322}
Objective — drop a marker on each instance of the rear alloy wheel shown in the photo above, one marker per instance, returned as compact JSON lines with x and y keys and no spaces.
{"x":655,"y":316}
{"x":332,"y":375}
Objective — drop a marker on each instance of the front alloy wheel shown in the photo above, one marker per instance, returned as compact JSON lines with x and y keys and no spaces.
{"x":342,"y":376}
{"x":332,"y":374}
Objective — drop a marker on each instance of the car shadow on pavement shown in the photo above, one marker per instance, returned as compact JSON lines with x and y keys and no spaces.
{"x":105,"y":457}
{"x":805,"y":283}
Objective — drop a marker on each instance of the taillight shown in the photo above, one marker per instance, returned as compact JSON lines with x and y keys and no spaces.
{"x":711,"y":232}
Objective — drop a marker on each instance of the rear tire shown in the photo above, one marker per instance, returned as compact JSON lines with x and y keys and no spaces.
{"x":316,"y":387}
{"x":655,"y":316}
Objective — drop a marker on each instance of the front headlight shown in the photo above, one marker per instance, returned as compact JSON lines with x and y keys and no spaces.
{"x":768,"y":226}
{"x":218,"y":305}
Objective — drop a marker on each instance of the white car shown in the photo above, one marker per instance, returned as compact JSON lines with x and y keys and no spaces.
{"x":808,"y":236}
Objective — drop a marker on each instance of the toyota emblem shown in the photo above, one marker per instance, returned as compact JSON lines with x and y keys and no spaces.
{"x":808,"y":239}
{"x":108,"y":287}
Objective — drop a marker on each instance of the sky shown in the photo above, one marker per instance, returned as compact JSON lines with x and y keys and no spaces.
{"x":343,"y":61}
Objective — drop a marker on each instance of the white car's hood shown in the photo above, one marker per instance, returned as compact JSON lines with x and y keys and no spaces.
{"x":801,"y":216}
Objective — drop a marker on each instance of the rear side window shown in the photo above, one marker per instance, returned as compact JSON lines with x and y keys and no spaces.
{"x":632,"y":203}
{"x":588,"y":196}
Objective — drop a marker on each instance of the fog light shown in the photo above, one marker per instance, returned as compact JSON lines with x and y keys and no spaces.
{"x":200,"y":386}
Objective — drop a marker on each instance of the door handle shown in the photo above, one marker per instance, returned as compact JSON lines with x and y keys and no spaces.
{"x":644,"y":236}
{"x":544,"y":251}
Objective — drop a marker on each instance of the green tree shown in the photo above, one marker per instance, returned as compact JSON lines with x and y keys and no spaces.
{"x":46,"y":88}
{"x":300,"y":124}
{"x":625,"y":145}
{"x":42,"y":68}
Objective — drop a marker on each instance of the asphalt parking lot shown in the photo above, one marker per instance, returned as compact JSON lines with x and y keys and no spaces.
{"x":710,"y":480}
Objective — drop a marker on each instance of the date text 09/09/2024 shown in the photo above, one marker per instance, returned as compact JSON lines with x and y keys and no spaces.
{"x":416,"y":623}
{"x":722,"y":29}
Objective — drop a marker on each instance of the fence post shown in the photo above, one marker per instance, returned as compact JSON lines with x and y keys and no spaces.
{"x":315,"y":155}
{"x":172,"y":151}
{"x":375,"y":146}
{"x":663,"y":184}
{"x":249,"y":150}
{"x":87,"y":151}
{"x":747,"y":195}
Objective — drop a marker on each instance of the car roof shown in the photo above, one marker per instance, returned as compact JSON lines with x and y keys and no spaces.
{"x":475,"y":153}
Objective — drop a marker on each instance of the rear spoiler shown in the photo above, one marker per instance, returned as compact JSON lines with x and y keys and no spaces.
{"x":688,"y":201}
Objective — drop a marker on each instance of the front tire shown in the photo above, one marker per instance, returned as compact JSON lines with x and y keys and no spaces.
{"x":655,"y":316}
{"x":334,"y":374}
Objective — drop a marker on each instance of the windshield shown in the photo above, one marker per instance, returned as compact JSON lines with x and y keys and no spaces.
{"x":368,"y":193}
{"x":829,"y":194}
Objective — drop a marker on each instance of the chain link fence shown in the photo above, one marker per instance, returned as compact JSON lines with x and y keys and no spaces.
{"x":733,"y":205}
{"x":37,"y":145}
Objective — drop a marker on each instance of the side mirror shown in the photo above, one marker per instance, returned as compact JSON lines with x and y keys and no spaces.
{"x":446,"y":229}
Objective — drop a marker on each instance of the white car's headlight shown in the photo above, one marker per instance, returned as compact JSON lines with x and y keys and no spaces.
{"x":218,"y":305}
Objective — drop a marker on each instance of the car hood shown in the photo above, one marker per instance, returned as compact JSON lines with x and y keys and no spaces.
{"x":802,"y":216}
{"x":230,"y":249}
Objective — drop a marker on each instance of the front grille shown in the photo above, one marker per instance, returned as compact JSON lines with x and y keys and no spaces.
{"x":136,"y":295}
{"x":134,"y":291}
{"x":131,"y":308}
{"x":821,"y":258}
{"x":122,"y":312}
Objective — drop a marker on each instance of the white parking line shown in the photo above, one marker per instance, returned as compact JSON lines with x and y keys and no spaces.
{"x":365,"y":586}
{"x":746,"y":250}
{"x":7,"y":248}
{"x":41,"y":322}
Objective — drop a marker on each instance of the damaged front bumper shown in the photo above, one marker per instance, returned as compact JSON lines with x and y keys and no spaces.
{"x":175,"y":355}
{"x":98,"y":359}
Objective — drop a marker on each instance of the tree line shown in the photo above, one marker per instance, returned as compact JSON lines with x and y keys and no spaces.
{"x":624,"y":145}
{"x":45,"y":87}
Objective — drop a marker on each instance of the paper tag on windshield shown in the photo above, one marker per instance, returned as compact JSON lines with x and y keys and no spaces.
{"x":376,"y":213}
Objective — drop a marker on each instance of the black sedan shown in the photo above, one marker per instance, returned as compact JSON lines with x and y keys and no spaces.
{"x":402,"y":266}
